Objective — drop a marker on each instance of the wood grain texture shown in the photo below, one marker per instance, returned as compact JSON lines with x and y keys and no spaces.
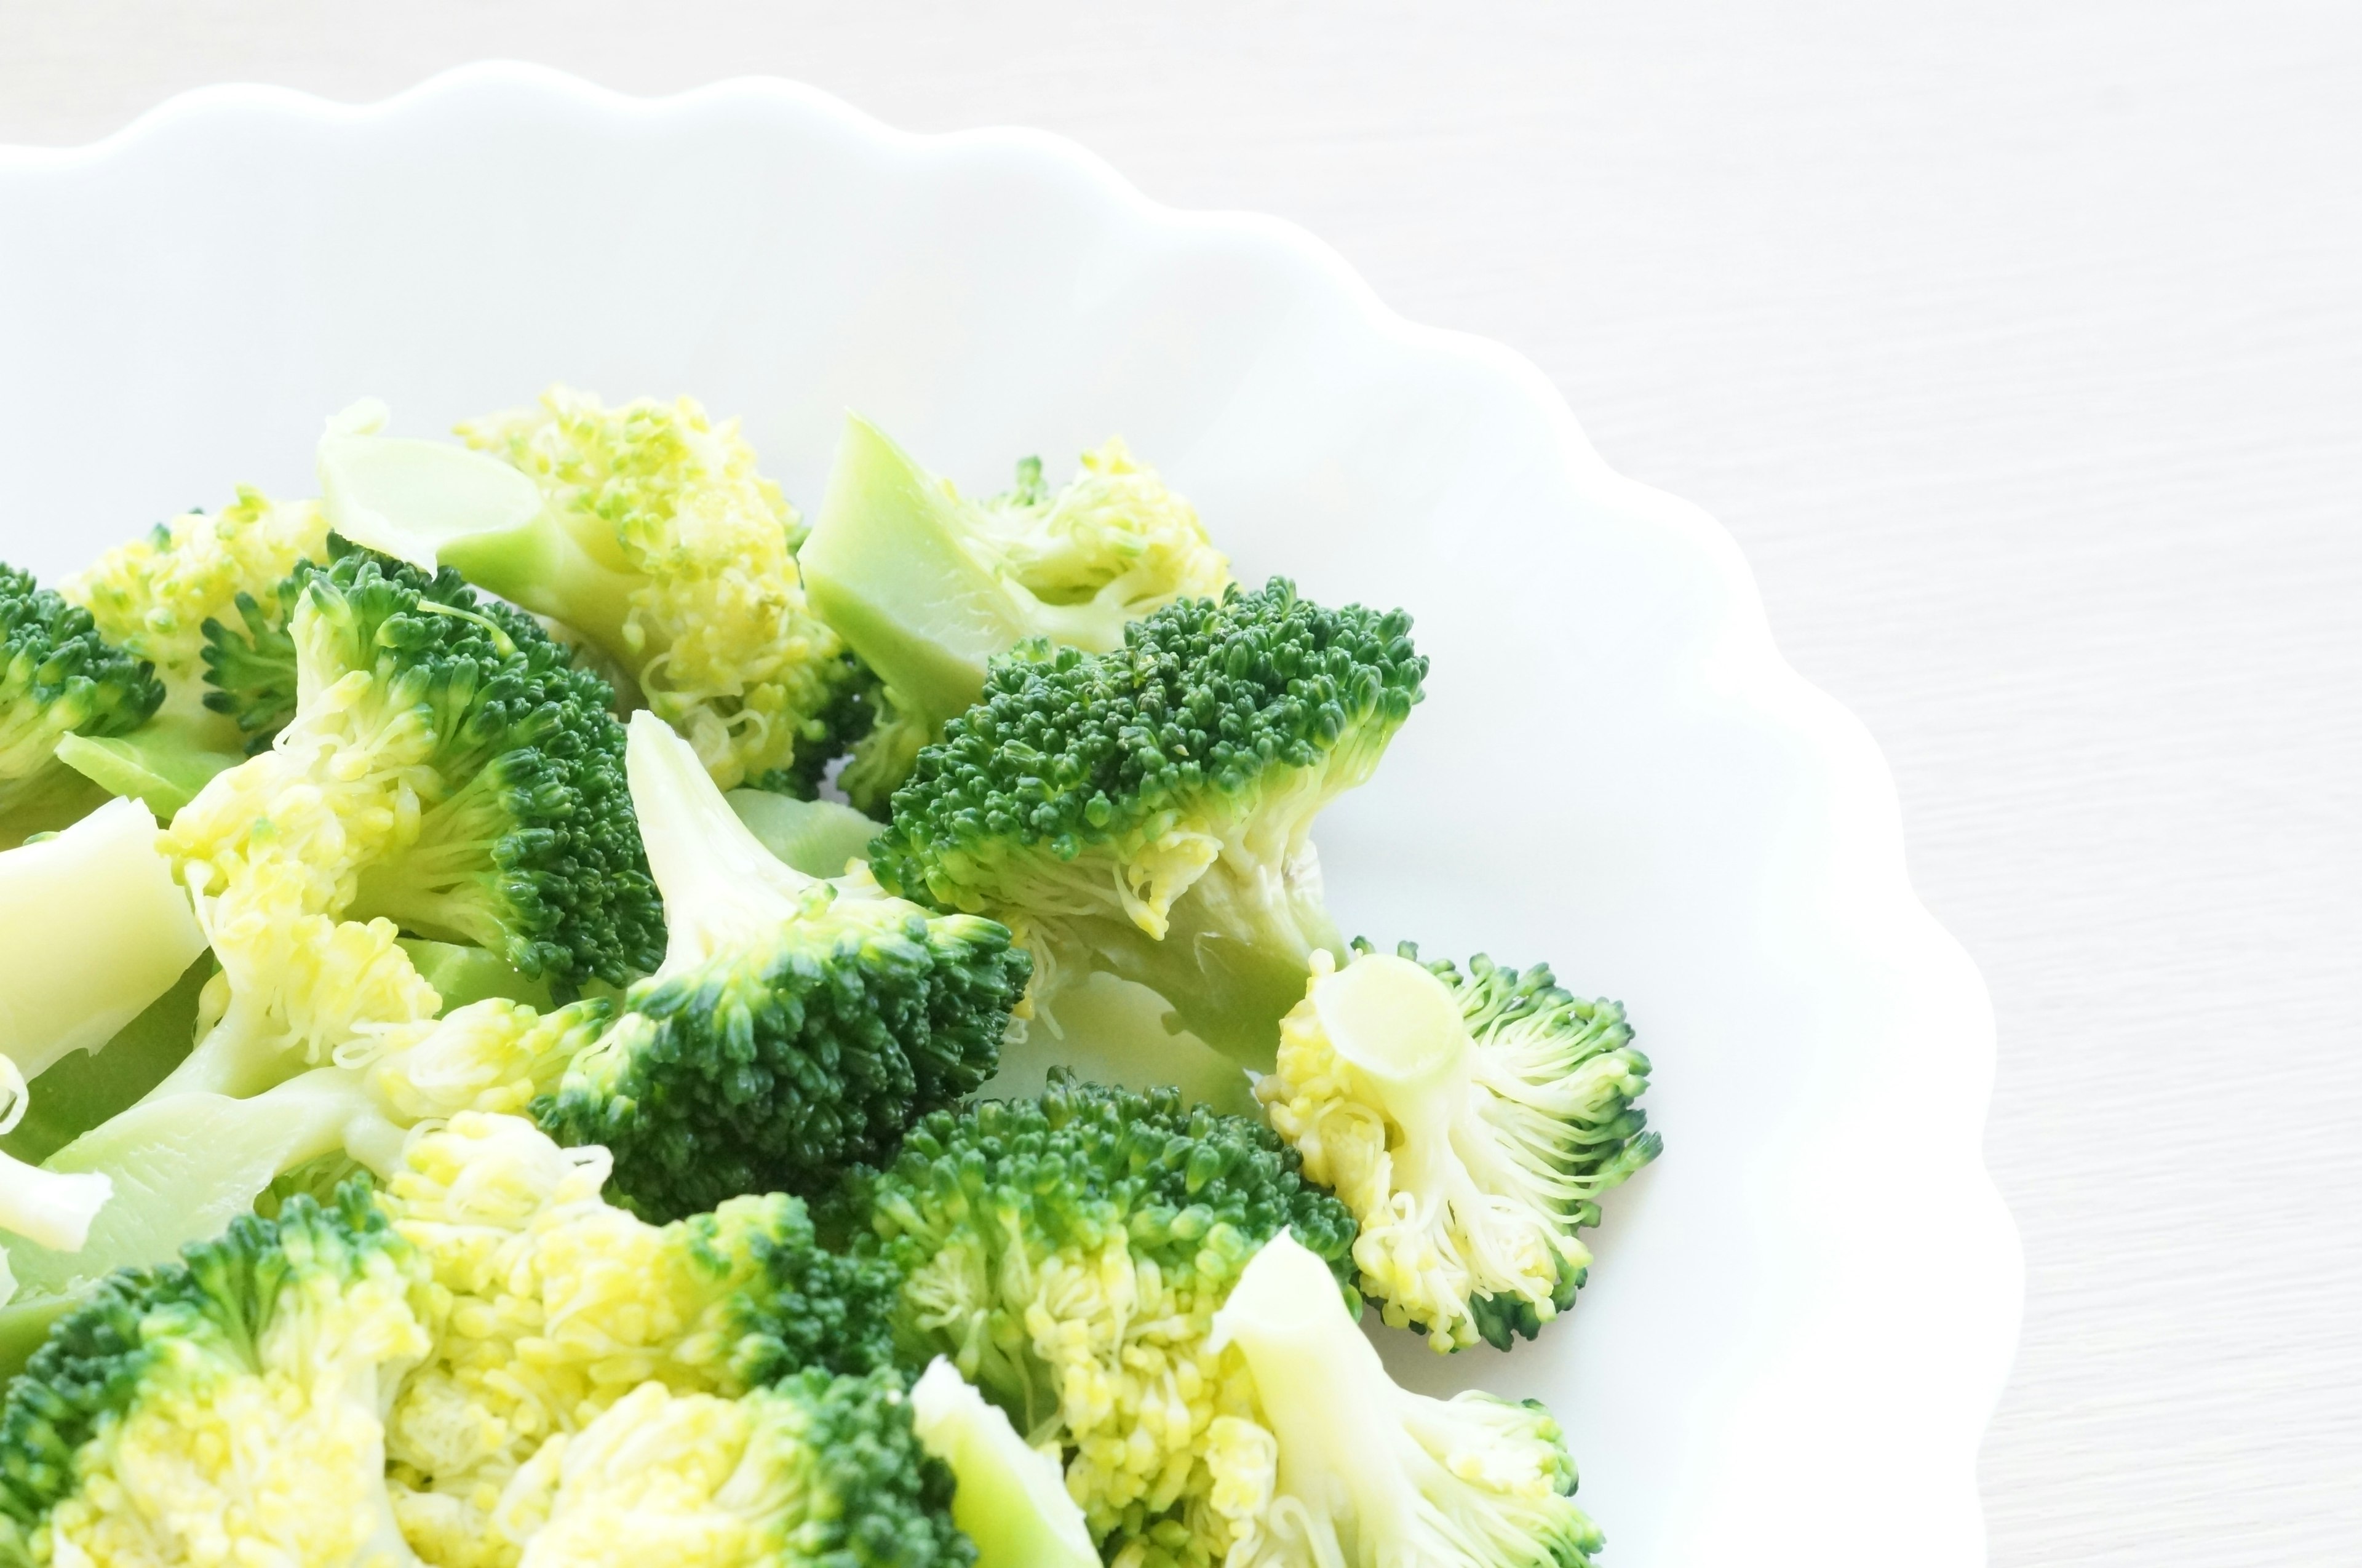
{"x":2021,"y":346}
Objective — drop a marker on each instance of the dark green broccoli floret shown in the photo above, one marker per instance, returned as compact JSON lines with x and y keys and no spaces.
{"x":795,"y":1024}
{"x":927,"y":585}
{"x":1080,"y":1244}
{"x":526,"y":844}
{"x":250,"y":668}
{"x":1149,"y":810}
{"x":57,"y":677}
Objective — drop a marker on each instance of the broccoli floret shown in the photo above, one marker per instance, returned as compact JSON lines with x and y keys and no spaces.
{"x":223,"y":1409}
{"x":550,"y":1306}
{"x":58,"y":676}
{"x":814,"y":1473}
{"x":1471,"y":1122}
{"x":795,"y":1024}
{"x":646,"y":529}
{"x":928,"y":586}
{"x":1010,"y":1500}
{"x":447,"y":769}
{"x":1335,"y":1466}
{"x":1067,"y":1253}
{"x":1148,"y":812}
{"x":154,"y":596}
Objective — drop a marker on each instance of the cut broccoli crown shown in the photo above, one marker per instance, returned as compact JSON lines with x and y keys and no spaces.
{"x":796,"y":1025}
{"x":929,"y":586}
{"x":224,"y":1408}
{"x":1148,"y":811}
{"x":58,"y":676}
{"x":1333,"y":1466}
{"x":1471,"y":1122}
{"x":815,"y":1473}
{"x":551,"y":1304}
{"x":1068,"y":1253}
{"x":160,"y":597}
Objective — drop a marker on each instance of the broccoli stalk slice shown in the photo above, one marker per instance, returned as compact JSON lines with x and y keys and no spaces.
{"x":434,"y":505}
{"x":1351,"y":1470}
{"x":92,"y":931}
{"x":52,"y":1209}
{"x":1010,"y":1500}
{"x":906,"y":570}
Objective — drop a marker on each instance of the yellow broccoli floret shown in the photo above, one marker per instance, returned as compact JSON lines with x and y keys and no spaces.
{"x":152,"y":596}
{"x":222,"y":1410}
{"x":1471,"y":1122}
{"x":548,"y":1306}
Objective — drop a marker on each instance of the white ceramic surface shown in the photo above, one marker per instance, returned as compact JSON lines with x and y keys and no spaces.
{"x":1802,"y":1315}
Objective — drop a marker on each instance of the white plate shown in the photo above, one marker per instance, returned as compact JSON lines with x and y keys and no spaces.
{"x":1802,"y":1315}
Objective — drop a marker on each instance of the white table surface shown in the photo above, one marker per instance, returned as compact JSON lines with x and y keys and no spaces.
{"x":2021,"y":346}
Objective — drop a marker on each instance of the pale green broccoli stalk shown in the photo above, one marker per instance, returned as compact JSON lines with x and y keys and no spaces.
{"x":58,"y":676}
{"x":1335,"y":1466}
{"x":92,"y":932}
{"x":928,"y":587}
{"x":93,"y":928}
{"x":1010,"y":1500}
{"x":1471,"y":1122}
{"x":181,"y":1165}
{"x":448,"y":769}
{"x":1148,"y":812}
{"x":1068,"y":1254}
{"x":816,"y":837}
{"x":795,"y":1025}
{"x":646,"y":529}
{"x":225,"y":1407}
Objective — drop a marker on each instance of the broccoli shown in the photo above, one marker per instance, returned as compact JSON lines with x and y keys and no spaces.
{"x":795,"y":1024}
{"x":154,"y":596}
{"x":812,"y":1472}
{"x":1471,"y":1122}
{"x":817,"y":837}
{"x":479,"y":1361}
{"x":92,"y":932}
{"x":223,"y":1409}
{"x":1338,"y":1467}
{"x":1147,"y":812}
{"x":549,"y":1306}
{"x":447,"y":771}
{"x":928,"y":586}
{"x":1067,"y":1253}
{"x":646,"y":529}
{"x":1010,"y":1500}
{"x":58,"y":676}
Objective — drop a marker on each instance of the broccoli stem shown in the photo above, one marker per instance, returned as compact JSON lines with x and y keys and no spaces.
{"x":1012,"y":1501}
{"x":435,"y":504}
{"x":162,"y":764}
{"x":898,"y":565}
{"x":721,"y":887}
{"x":51,"y":1209}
